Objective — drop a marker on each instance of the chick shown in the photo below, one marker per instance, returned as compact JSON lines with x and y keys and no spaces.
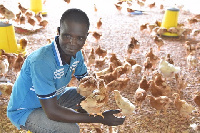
{"x":110,"y":76}
{"x":43,"y":23}
{"x":144,"y":84}
{"x":134,"y":44}
{"x":99,"y":23}
{"x":22,"y":19}
{"x":118,"y":6}
{"x":106,"y":70}
{"x":118,"y":84}
{"x":161,"y":31}
{"x":141,"y":3}
{"x":96,"y":35}
{"x":159,"y":80}
{"x":91,"y":58}
{"x":140,"y":95}
{"x":167,"y":69}
{"x":148,"y":64}
{"x":124,"y":104}
{"x":18,"y":63}
{"x":94,"y":103}
{"x":143,"y":26}
{"x":151,"y":5}
{"x":155,"y":90}
{"x":29,"y":14}
{"x":130,"y":9}
{"x":159,"y":42}
{"x":21,"y":8}
{"x":173,"y":30}
{"x":153,"y":58}
{"x":6,"y":88}
{"x":99,"y":63}
{"x":23,"y":42}
{"x":192,"y":60}
{"x":169,"y":60}
{"x":31,"y":21}
{"x":125,"y":69}
{"x":101,"y":52}
{"x":137,"y":69}
{"x":86,"y":86}
{"x":131,"y":61}
{"x":184,"y":108}
{"x":116,"y":62}
{"x":8,"y":14}
{"x":192,"y":20}
{"x":38,"y":16}
{"x":159,"y":103}
{"x":3,"y":64}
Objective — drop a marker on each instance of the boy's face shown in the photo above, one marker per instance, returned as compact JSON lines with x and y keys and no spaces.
{"x":72,"y":36}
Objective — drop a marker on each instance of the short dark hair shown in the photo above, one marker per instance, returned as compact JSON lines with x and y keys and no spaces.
{"x":76,"y":15}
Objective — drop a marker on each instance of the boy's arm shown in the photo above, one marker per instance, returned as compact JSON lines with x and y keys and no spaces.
{"x":58,"y":113}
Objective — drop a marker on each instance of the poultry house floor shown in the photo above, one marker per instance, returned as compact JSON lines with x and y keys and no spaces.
{"x":117,"y":29}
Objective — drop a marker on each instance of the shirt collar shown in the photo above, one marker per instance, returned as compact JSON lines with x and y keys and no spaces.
{"x":57,"y":53}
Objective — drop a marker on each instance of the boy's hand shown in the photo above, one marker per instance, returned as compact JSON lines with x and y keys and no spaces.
{"x":110,"y":120}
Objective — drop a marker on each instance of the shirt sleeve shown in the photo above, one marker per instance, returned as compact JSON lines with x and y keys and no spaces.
{"x":43,"y":80}
{"x":81,"y":69}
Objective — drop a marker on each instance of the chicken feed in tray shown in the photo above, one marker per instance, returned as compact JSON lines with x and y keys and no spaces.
{"x":158,"y":77}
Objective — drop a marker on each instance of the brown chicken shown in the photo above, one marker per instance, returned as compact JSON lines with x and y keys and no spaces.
{"x":159,"y":42}
{"x":21,"y":8}
{"x":184,"y":108}
{"x":192,"y":60}
{"x":124,"y":104}
{"x":110,"y":76}
{"x":43,"y":23}
{"x":23,"y":42}
{"x":95,"y":102}
{"x":18,"y":63}
{"x":131,"y":61}
{"x":159,"y":80}
{"x":155,"y":90}
{"x":154,"y":59}
{"x":6,"y":88}
{"x":29,"y":14}
{"x":168,"y":59}
{"x":197,"y":99}
{"x":99,"y":23}
{"x":144,"y":84}
{"x":125,"y":69}
{"x":192,"y":20}
{"x":181,"y":83}
{"x":38,"y":16}
{"x":96,"y":35}
{"x":152,"y":5}
{"x":118,"y":6}
{"x":134,"y":44}
{"x":143,"y":26}
{"x":86,"y":86}
{"x":140,"y":95}
{"x":101,"y":52}
{"x":161,"y":6}
{"x":161,"y":31}
{"x":148,"y":64}
{"x":95,"y":8}
{"x":118,"y":84}
{"x":22,"y":19}
{"x":31,"y":21}
{"x":99,"y":63}
{"x":91,"y":58}
{"x":141,"y":3}
{"x":8,"y":14}
{"x":130,"y":9}
{"x":116,"y":62}
{"x":159,"y":103}
{"x":68,"y":1}
{"x":106,"y":70}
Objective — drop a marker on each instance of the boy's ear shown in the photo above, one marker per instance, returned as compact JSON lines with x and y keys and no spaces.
{"x":58,"y":30}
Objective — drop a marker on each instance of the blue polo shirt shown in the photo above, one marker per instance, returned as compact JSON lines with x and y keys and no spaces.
{"x":42,"y":76}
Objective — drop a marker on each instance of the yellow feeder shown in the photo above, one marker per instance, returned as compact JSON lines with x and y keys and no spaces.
{"x":170,"y":20}
{"x":37,"y":6}
{"x":8,"y":41}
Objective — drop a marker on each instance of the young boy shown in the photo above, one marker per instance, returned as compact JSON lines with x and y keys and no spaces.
{"x":41,"y":101}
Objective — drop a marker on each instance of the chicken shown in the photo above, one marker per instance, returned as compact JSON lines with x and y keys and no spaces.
{"x":124,"y":104}
{"x":110,"y":76}
{"x":143,"y":26}
{"x":166,"y":90}
{"x":116,"y":62}
{"x":155,"y":90}
{"x":150,"y":27}
{"x":68,"y":1}
{"x":184,"y":108}
{"x":18,"y":63}
{"x":29,"y":14}
{"x":91,"y":58}
{"x":86,"y":86}
{"x":99,"y":63}
{"x":95,"y":8}
{"x":21,"y":8}
{"x":99,"y":23}
{"x":181,"y":83}
{"x":141,"y":3}
{"x":195,"y":32}
{"x":192,"y":60}
{"x":118,"y":6}
{"x":137,"y":69}
{"x":144,"y":84}
{"x":148,"y":64}
{"x":196,"y":99}
{"x":131,"y":61}
{"x":159,"y":80}
{"x":125,"y":69}
{"x":192,"y":20}
{"x":130,"y":9}
{"x":94,"y":103}
{"x":96,"y":35}
{"x":4,"y":64}
{"x":8,"y":14}
{"x":169,"y":60}
{"x":106,"y":70}
{"x":159,"y":103}
{"x":153,"y":58}
{"x":118,"y":84}
{"x":23,"y":42}
{"x":101,"y":52}
{"x":43,"y":23}
{"x":140,"y":95}
{"x":22,"y":19}
{"x":6,"y":88}
{"x":161,"y":31}
{"x":152,"y":5}
{"x":31,"y":21}
{"x":161,"y":6}
{"x":134,"y":44}
{"x":38,"y":16}
{"x":173,"y":30}
{"x":159,"y":42}
{"x":167,"y":69}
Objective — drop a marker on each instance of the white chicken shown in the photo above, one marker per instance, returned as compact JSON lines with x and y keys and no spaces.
{"x":3,"y":64}
{"x":192,"y":60}
{"x":123,"y":103}
{"x":167,"y":69}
